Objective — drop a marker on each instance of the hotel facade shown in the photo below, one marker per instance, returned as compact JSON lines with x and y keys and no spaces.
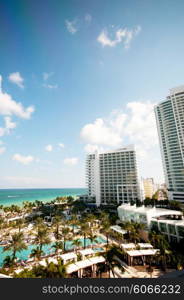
{"x":169,"y":222}
{"x":112,"y":177}
{"x":170,"y":125}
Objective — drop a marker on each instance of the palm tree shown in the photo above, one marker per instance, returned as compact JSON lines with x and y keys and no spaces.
{"x":165,"y":253}
{"x":85,"y":231}
{"x":134,"y":236}
{"x":51,"y":270}
{"x":55,"y":270}
{"x":110,"y":262}
{"x":159,"y":241}
{"x":154,"y":238}
{"x":20,"y":224}
{"x":36,"y":253}
{"x":17,"y":244}
{"x":42,"y":236}
{"x":76,"y":243}
{"x":65,"y":232}
{"x":93,"y":239}
{"x":139,"y":226}
{"x":38,"y":203}
{"x":6,"y":209}
{"x":106,"y":228}
{"x":73,"y":222}
{"x":58,"y":246}
{"x":57,"y":222}
{"x":8,"y":261}
{"x":104,"y":216}
{"x":128,"y":227}
{"x":1,"y":223}
{"x":39,"y":223}
{"x":27,"y":206}
{"x":91,"y":219}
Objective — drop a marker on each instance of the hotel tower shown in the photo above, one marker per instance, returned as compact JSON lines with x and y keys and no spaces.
{"x":112,"y":176}
{"x":170,"y":124}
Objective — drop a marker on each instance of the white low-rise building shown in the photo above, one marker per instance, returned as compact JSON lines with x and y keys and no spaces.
{"x":169,"y":222}
{"x":172,"y":229}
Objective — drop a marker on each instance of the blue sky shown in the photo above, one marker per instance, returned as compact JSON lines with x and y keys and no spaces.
{"x":87,"y":75}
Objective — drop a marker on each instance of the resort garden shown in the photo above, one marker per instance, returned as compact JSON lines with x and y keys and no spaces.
{"x":65,"y":238}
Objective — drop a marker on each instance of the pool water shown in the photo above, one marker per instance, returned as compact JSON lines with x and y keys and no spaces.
{"x":24,"y":254}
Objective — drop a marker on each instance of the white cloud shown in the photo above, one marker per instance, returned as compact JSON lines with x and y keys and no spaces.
{"x":25,"y":160}
{"x":47,"y":75}
{"x":61,"y":145}
{"x":88,"y":18}
{"x":100,"y":133}
{"x":9,"y":107}
{"x":137,"y":124}
{"x":17,"y":79}
{"x":71,"y":161}
{"x":134,"y":125}
{"x":71,"y":26}
{"x":123,"y":35}
{"x":51,"y":86}
{"x":8,"y":126}
{"x":142,"y":125}
{"x":2,"y":150}
{"x":49,"y":148}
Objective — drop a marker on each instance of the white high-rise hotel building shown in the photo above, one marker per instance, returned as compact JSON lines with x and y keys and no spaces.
{"x":170,"y":124}
{"x":112,"y":176}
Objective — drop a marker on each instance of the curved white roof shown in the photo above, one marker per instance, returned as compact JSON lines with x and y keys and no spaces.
{"x":153,"y":211}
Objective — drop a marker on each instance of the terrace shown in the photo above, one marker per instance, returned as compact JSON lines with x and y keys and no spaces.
{"x":139,"y":252}
{"x":85,"y":268}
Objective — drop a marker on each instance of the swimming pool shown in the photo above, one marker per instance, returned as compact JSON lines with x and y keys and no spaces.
{"x":24,"y":254}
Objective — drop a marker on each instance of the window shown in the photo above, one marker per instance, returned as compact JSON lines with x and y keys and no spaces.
{"x":172,"y":229}
{"x":154,"y":225}
{"x":181,"y":231}
{"x":163,"y":227}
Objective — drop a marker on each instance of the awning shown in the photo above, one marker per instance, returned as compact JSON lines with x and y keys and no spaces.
{"x":118,"y":229}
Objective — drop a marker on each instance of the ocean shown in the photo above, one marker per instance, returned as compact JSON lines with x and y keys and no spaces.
{"x":18,"y":196}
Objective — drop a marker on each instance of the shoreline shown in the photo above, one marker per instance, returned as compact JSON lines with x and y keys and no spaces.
{"x":20,"y":203}
{"x":11,"y":199}
{"x":10,"y":189}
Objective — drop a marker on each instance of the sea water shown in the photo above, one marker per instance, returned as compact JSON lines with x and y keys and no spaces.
{"x":18,"y":196}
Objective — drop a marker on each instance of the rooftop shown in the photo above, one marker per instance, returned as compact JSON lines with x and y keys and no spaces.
{"x":128,"y":246}
{"x":142,"y":252}
{"x":133,"y":246}
{"x":176,"y":90}
{"x":118,"y":229}
{"x":145,"y":245}
{"x":123,"y":149}
{"x":87,"y":251}
{"x":84,"y":264}
{"x":154,"y":211}
{"x":68,"y":256}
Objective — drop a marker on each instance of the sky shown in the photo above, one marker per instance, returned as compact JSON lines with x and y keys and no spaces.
{"x":81,"y":75}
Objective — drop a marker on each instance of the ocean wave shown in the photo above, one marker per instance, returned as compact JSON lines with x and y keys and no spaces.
{"x":12,"y":196}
